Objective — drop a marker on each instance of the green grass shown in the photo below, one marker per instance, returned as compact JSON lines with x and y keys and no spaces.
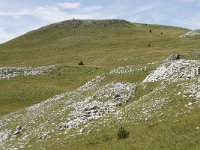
{"x":21,"y":92}
{"x":101,"y":49}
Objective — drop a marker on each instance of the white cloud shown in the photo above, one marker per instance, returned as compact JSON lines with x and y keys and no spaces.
{"x":16,"y":14}
{"x":54,"y":13}
{"x":69,"y":5}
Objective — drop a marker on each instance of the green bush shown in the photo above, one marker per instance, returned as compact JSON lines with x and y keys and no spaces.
{"x":80,"y":63}
{"x":122,"y":133}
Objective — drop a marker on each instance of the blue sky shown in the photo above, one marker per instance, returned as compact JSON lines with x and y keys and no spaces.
{"x":20,"y":16}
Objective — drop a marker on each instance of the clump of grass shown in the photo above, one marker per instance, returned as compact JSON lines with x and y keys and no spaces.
{"x":122,"y":133}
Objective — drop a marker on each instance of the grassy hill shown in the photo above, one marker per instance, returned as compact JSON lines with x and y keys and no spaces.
{"x":100,"y":47}
{"x":103,"y":46}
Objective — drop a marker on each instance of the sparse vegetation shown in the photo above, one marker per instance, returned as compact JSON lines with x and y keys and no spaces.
{"x":122,"y":133}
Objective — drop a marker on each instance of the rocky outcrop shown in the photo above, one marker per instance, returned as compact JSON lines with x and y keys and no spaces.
{"x":120,"y":91}
{"x":103,"y":101}
{"x":175,"y":70}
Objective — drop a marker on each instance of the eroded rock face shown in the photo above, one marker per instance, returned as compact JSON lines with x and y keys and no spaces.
{"x":175,"y":70}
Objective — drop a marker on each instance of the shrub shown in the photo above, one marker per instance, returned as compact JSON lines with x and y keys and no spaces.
{"x":80,"y":63}
{"x":122,"y":133}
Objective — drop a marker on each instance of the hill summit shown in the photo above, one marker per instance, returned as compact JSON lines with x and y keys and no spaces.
{"x":75,"y":23}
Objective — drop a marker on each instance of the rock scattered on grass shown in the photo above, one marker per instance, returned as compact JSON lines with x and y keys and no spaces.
{"x":11,"y":72}
{"x":175,"y":70}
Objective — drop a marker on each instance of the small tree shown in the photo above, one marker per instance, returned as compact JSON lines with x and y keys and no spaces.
{"x":122,"y":133}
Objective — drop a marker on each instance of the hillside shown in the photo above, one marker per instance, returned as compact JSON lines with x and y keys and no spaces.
{"x":131,"y":78}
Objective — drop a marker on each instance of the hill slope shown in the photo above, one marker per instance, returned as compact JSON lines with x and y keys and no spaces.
{"x":109,"y":44}
{"x":63,"y":44}
{"x":130,"y":84}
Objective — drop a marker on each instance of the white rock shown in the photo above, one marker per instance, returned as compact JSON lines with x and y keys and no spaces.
{"x":3,"y":136}
{"x":173,"y":71}
{"x":81,"y":130}
{"x":190,"y":103}
{"x":179,"y":93}
{"x":10,"y":72}
{"x":198,"y":94}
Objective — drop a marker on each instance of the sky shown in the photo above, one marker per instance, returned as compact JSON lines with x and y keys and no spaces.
{"x":20,"y":16}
